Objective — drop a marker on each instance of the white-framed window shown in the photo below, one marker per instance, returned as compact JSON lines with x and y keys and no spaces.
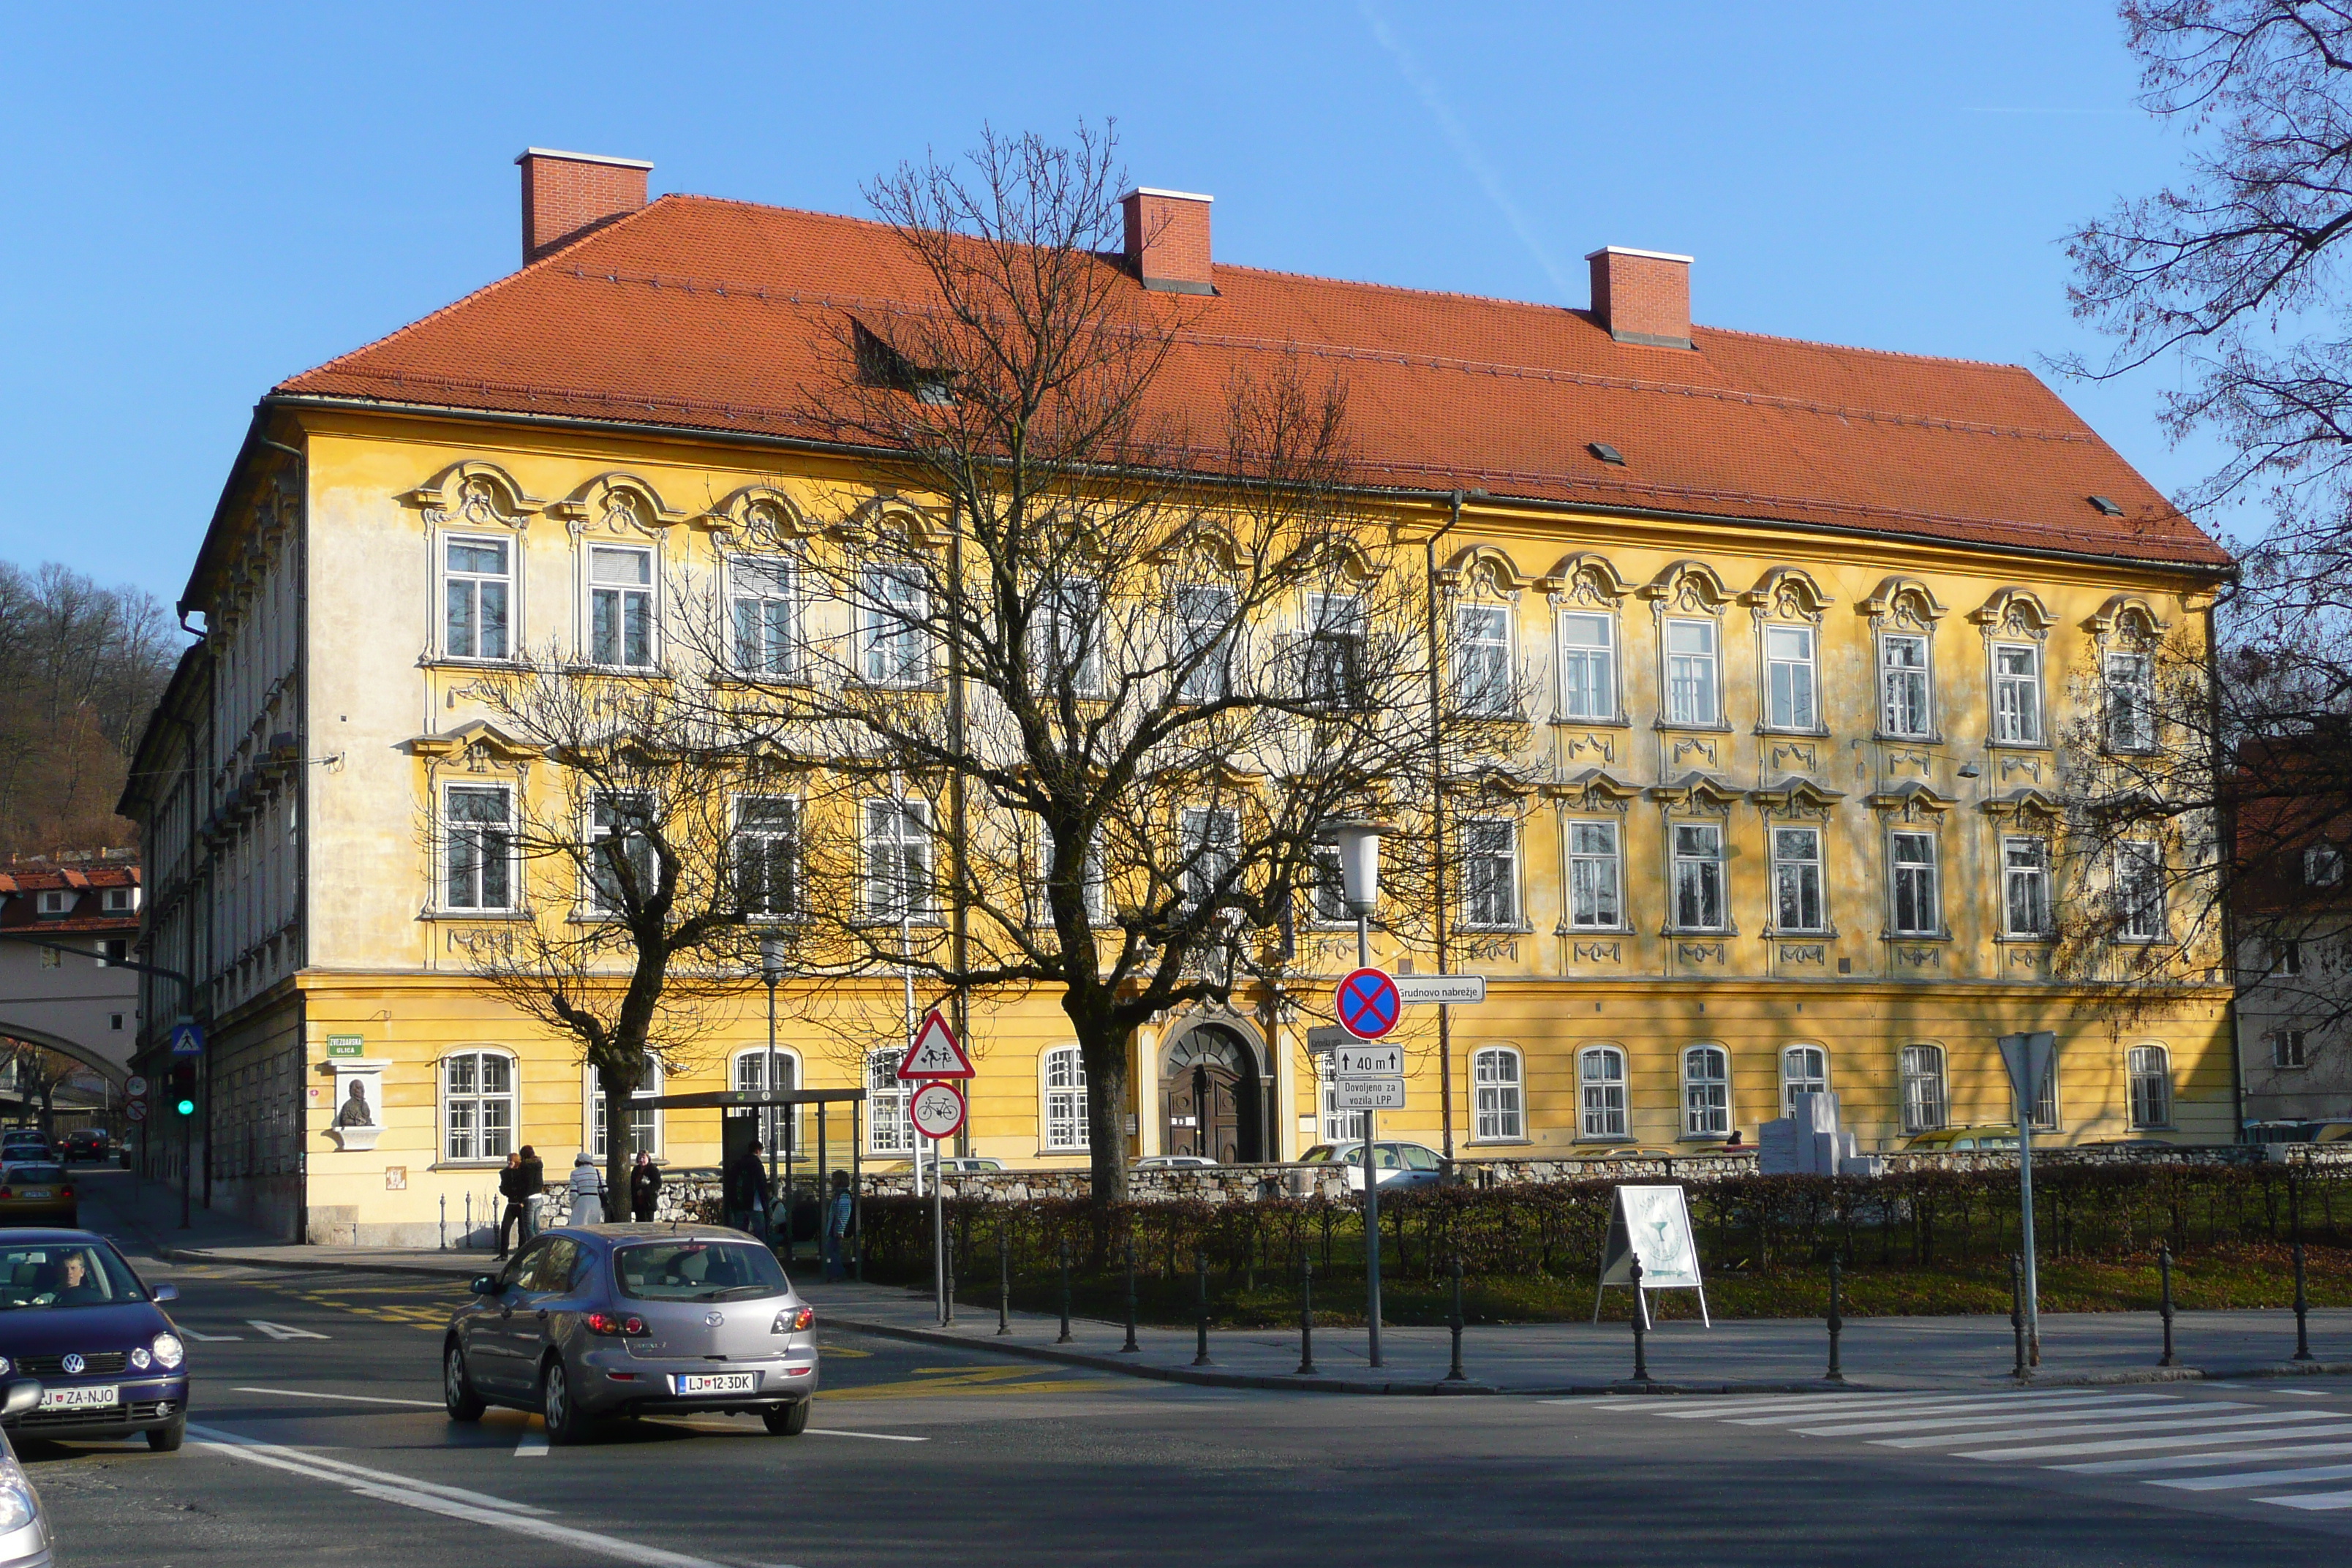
{"x":1482,"y":658}
{"x":1905,"y":692}
{"x":751,"y":1077}
{"x":1212,"y":839}
{"x":2045,"y":1098}
{"x":1699,"y":876}
{"x":1065,"y":1073}
{"x":645,"y":1120}
{"x":1600,"y":1092}
{"x":1596,"y":878}
{"x":1204,"y":614}
{"x":1797,"y":880}
{"x":898,"y":849}
{"x":477,"y":1105}
{"x":767,"y":853}
{"x":2323,"y":866}
{"x":1694,"y":691}
{"x":2025,"y":887}
{"x":1333,"y":672}
{"x":1490,"y":873}
{"x":1923,"y":1099}
{"x":890,"y":1129}
{"x":620,"y":855}
{"x":476,"y":596}
{"x":2139,"y":891}
{"x":1498,"y":1095}
{"x":1792,"y":682}
{"x":1917,"y":902}
{"x":1331,"y":905}
{"x":1338,"y":1126}
{"x":55,"y":903}
{"x":2287,"y":957}
{"x":2130,"y":702}
{"x":1066,"y":636}
{"x":2017,"y":694}
{"x":478,"y":858}
{"x":119,"y":900}
{"x":893,"y":648}
{"x":1804,"y":1069}
{"x":2287,"y":1049}
{"x":2149,"y":1070}
{"x":1706,"y":1093}
{"x":619,"y":605}
{"x":1588,"y":667}
{"x":764,"y":601}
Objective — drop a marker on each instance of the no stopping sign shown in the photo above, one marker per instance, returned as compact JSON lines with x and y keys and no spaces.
{"x":937,"y":1110}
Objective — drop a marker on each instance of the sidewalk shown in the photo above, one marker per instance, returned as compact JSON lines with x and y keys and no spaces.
{"x":1760,"y":1354}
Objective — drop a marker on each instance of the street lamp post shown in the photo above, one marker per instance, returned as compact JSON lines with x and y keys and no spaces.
{"x":772,"y":970}
{"x":1359,"y":885}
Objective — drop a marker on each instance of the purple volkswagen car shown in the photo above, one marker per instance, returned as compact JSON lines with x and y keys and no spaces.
{"x":75,"y":1316}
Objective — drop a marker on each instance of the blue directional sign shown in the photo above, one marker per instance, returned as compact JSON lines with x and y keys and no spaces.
{"x":1367,"y":1002}
{"x":187,"y":1040}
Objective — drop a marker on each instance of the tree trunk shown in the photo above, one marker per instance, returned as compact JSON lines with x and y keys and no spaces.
{"x":1107,"y":1082}
{"x":617,"y":1153}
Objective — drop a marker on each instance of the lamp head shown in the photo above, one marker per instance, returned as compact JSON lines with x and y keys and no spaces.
{"x":771,"y":959}
{"x":1358,"y":843}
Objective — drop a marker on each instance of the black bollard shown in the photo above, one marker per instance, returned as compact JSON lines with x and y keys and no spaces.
{"x":1130,"y":1348}
{"x":1306,"y":1317}
{"x":1837,"y":1318}
{"x":1453,"y":1373}
{"x":1201,"y":1294}
{"x":2302,"y":1311}
{"x":2016,"y":1313}
{"x":2163,"y":1307}
{"x":946,"y":1273}
{"x":1003,"y":1283}
{"x":1065,"y":1294}
{"x":1641,"y":1326}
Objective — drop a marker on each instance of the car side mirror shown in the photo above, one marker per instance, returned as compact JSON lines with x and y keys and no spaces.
{"x":485,"y":1284}
{"x":166,"y":1293}
{"x":22,"y":1396}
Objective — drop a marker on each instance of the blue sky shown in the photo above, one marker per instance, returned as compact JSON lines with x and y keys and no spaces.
{"x":204,"y":200}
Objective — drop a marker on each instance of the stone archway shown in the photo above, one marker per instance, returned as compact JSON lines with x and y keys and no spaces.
{"x":1211,"y":1097}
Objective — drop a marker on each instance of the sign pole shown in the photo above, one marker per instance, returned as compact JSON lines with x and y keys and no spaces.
{"x":939,"y":1237}
{"x":1372,"y":1177}
{"x":2030,"y":1058}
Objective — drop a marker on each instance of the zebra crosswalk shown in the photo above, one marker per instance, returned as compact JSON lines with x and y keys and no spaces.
{"x":2297,"y":1457}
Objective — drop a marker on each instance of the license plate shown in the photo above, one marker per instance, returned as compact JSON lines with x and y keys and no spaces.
{"x":37,"y":1192}
{"x":102,"y":1397}
{"x":714,"y":1383}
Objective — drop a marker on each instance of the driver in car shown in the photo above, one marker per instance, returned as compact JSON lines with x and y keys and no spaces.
{"x":74,"y":1287}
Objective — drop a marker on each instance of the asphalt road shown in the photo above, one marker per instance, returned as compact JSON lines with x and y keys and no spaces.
{"x":319,"y":1437}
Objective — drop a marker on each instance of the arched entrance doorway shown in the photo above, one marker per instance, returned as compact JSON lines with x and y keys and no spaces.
{"x":1208,"y":1087}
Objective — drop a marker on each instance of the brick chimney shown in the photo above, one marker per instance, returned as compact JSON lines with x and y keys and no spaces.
{"x":1641,"y":296}
{"x":565,"y":195}
{"x":1168,"y":240}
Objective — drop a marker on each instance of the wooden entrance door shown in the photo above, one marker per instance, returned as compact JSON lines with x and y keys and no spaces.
{"x":1203,"y":1104}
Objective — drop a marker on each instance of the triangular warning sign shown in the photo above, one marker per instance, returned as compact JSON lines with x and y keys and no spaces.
{"x":936,"y":1052}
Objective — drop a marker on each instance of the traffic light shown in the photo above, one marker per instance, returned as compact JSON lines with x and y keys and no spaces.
{"x":183,"y":1088}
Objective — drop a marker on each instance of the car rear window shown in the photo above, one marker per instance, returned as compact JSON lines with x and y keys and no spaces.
{"x":36,"y":1174}
{"x":697,"y":1271}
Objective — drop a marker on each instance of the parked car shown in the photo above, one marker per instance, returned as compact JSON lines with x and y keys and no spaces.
{"x":1399,"y":1164}
{"x":85,"y":1144}
{"x":75,"y":1316}
{"x":2298,"y":1131}
{"x":24,"y":1143}
{"x":1171,"y":1162}
{"x":1947,"y":1140}
{"x":36,"y":1194}
{"x":594,"y":1320}
{"x":954,"y":1165}
{"x":23,"y":1525}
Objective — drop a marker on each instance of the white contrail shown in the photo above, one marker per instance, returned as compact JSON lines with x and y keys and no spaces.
{"x":1465,"y":147}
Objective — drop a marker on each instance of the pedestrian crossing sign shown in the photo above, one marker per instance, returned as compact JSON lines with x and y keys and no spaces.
{"x":936,"y":1053}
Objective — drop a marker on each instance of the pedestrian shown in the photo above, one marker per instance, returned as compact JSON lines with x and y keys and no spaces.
{"x":644,"y":1188}
{"x":587,"y":1185}
{"x":511,"y":1187}
{"x":534,"y":1193}
{"x":745,"y":1192}
{"x":839,"y":1216}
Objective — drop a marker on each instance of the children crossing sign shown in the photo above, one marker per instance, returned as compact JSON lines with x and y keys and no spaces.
{"x":936,"y":1053}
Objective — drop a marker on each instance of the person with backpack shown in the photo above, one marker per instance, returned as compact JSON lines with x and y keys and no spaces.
{"x":840,"y":1227}
{"x":744,"y":1192}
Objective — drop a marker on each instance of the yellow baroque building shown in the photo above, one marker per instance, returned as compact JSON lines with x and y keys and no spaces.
{"x":1806,"y":631}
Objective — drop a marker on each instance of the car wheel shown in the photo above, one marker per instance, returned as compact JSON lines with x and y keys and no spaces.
{"x":566,"y":1423}
{"x":167,"y":1439}
{"x":456,"y":1388}
{"x":789,"y":1422}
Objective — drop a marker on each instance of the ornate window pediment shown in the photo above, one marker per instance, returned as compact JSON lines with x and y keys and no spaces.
{"x":1911,"y":800}
{"x":616,"y":503}
{"x":2127,"y":619}
{"x":1903,"y":604}
{"x":2024,"y":804}
{"x":1687,"y":587}
{"x":2014,"y":613}
{"x":758,"y":517}
{"x":477,"y":746}
{"x":1586,"y":579}
{"x":1787,"y":594}
{"x":1794,"y":796}
{"x":473,"y":494}
{"x":1593,"y":789}
{"x":1483,"y":569}
{"x":1695,"y":792}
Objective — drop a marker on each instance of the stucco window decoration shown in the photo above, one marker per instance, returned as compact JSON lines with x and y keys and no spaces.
{"x":2016,"y":625}
{"x":2139,"y":891}
{"x":1595,"y":877}
{"x":894,"y":648}
{"x":764,"y":611}
{"x":477,"y":1105}
{"x":1482,"y":660}
{"x":1694,"y":674}
{"x":1915,"y":886}
{"x":1203,"y":614}
{"x":1903,"y":616}
{"x":1332,"y":651}
{"x":477,"y":859}
{"x":620,"y":607}
{"x":1698,"y":893}
{"x":1792,"y":699}
{"x":621,"y":856}
{"x":767,"y":855}
{"x":1797,"y":903}
{"x":1498,"y":1094}
{"x":1212,"y":848}
{"x":2025,"y":887}
{"x":1065,"y":1111}
{"x":477,"y":596}
{"x":1490,"y":874}
{"x":899,"y":885}
{"x":1600,"y":1092}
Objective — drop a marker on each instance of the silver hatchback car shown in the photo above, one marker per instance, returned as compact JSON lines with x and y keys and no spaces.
{"x":634,"y":1320}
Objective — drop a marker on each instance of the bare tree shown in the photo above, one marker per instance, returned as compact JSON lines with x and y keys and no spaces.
{"x":36,"y":1073}
{"x":1123,"y":670}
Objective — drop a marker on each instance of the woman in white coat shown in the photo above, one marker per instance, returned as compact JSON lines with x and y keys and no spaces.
{"x":587,"y":1186}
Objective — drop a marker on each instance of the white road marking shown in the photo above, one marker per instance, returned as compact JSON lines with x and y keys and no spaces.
{"x":281,"y":1332}
{"x":208,"y":1339}
{"x":2168,"y":1423}
{"x":878,"y":1436}
{"x":2072,"y":1410}
{"x":2316,"y":1502}
{"x":353,"y":1398}
{"x":532,"y":1444}
{"x":497,"y":1513}
{"x":2191,"y":1461}
{"x":2243,"y":1478}
{"x":2141,"y":1445}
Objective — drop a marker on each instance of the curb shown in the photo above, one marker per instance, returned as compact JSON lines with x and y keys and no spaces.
{"x":198,"y":1255}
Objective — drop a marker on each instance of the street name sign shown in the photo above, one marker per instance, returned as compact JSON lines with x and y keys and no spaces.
{"x":936,"y":1053}
{"x":1325,"y":1038}
{"x":1368,"y":1094}
{"x":1426,"y":990}
{"x":1367,"y":1002}
{"x":187,"y":1040}
{"x":937,"y":1110}
{"x":1357,"y":1059}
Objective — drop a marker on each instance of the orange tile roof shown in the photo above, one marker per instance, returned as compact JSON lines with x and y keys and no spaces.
{"x":708,"y":315}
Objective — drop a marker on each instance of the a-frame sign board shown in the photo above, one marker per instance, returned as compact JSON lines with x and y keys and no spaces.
{"x":1654,"y":1225}
{"x":936,"y":1053}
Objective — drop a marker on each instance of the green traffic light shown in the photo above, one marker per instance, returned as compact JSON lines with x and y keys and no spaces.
{"x":187,"y":1108}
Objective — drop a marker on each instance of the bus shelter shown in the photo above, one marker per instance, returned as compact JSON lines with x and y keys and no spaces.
{"x":737,"y":1130}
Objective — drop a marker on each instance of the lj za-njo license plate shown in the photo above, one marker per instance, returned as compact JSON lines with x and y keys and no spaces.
{"x":105,"y":1396}
{"x":714,"y":1383}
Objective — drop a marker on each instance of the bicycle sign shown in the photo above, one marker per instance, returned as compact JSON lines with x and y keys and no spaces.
{"x":1367,"y":1002}
{"x":937,"y":1110}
